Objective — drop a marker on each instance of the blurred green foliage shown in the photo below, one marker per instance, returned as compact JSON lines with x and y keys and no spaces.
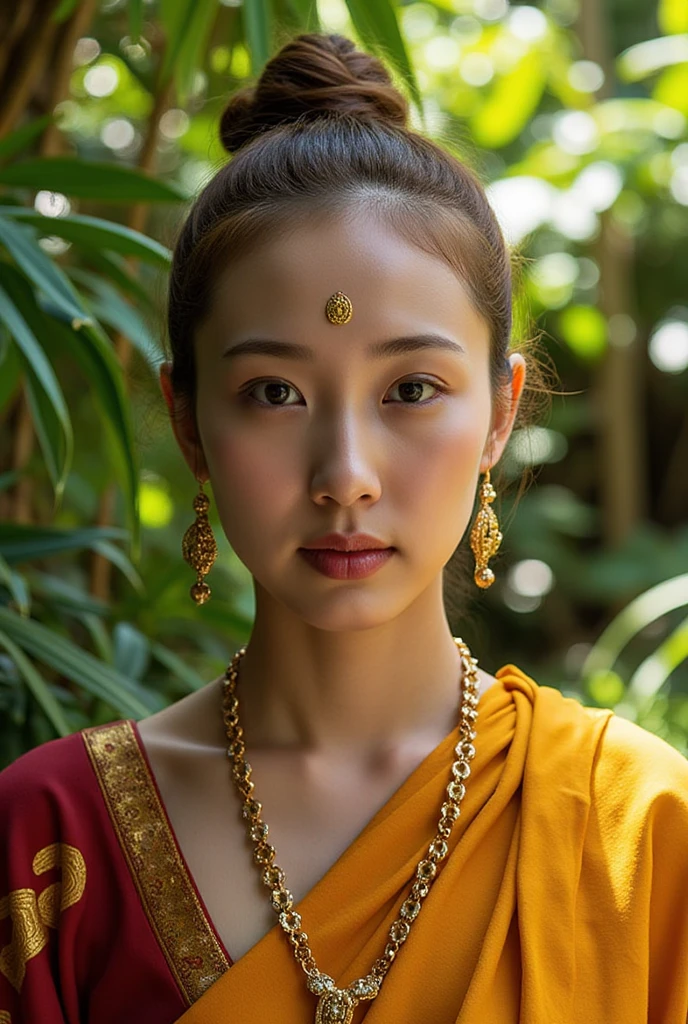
{"x":575,"y":119}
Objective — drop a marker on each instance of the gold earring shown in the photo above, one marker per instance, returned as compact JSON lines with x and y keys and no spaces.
{"x":199,"y":547}
{"x":485,"y":535}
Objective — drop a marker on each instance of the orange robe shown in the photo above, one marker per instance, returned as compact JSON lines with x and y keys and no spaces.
{"x":564,"y":897}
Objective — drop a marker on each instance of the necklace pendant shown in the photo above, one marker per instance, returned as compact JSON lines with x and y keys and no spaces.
{"x":335,"y":1007}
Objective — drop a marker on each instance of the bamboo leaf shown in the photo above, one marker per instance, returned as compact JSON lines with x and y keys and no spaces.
{"x":63,"y":10}
{"x":66,"y":596}
{"x":257,"y":15}
{"x":10,"y":368}
{"x":86,"y":180}
{"x":20,"y":542}
{"x":21,"y":137}
{"x":654,"y":671}
{"x":16,"y":584}
{"x":21,"y":243}
{"x":646,"y":608}
{"x":114,"y":268}
{"x":96,"y":232}
{"x":110,"y":308}
{"x":376,"y":23}
{"x":94,"y":676}
{"x":135,"y":20}
{"x":56,"y":445}
{"x":119,"y":559}
{"x":307,"y":13}
{"x":44,"y":374}
{"x":37,"y":685}
{"x":178,"y":667}
{"x":92,"y":351}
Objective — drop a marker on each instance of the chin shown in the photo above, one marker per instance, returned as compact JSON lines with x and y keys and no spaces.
{"x":346,"y":612}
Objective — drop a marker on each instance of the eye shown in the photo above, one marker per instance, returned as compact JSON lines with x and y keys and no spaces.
{"x":275,"y":392}
{"x":411,"y":391}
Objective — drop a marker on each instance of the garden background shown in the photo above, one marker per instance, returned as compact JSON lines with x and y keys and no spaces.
{"x":575,"y":116}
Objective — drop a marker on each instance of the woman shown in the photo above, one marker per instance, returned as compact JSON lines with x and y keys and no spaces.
{"x":439,"y":844}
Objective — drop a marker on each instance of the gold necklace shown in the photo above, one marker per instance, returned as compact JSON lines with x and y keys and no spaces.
{"x":335,"y":1005}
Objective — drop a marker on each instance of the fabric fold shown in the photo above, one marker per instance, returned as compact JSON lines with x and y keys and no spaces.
{"x":525,"y":921}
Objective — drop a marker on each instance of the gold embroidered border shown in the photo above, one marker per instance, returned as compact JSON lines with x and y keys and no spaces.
{"x":191,"y":949}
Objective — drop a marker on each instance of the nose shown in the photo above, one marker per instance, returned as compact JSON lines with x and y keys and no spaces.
{"x":345,"y":460}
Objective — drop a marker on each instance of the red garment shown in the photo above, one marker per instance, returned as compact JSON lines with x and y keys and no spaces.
{"x":77,"y":940}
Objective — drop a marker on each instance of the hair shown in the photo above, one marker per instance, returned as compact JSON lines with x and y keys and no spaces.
{"x":325,"y":132}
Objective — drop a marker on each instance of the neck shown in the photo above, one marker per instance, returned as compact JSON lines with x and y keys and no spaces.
{"x":360,"y":693}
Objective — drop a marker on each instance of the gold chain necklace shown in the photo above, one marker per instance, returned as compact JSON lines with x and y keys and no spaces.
{"x":335,"y":1005}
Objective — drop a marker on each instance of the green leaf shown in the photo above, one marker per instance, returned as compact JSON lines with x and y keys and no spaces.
{"x":672,"y":16}
{"x":643,"y":59}
{"x":21,"y":243}
{"x":110,"y":308}
{"x":654,"y":671}
{"x":16,"y":584}
{"x":307,"y":13}
{"x":187,"y":25}
{"x":131,"y":650}
{"x":57,"y":447}
{"x":135,"y":20}
{"x":511,"y":102}
{"x":45,"y":377}
{"x":80,"y":667}
{"x":584,"y":329}
{"x":87,"y":180}
{"x":178,"y":667}
{"x":21,"y":137}
{"x":649,"y":606}
{"x":119,"y":559}
{"x":92,"y":351}
{"x":20,"y":542}
{"x":10,"y":369}
{"x":114,"y":268}
{"x":65,"y":596}
{"x":37,"y":685}
{"x":63,"y":10}
{"x":257,"y":15}
{"x":606,"y":688}
{"x":95,"y":232}
{"x":376,"y":23}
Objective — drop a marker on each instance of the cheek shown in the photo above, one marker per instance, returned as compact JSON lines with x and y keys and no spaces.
{"x":253,"y":479}
{"x":438,"y":466}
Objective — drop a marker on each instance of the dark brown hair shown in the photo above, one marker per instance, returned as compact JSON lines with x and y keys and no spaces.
{"x":324,"y":131}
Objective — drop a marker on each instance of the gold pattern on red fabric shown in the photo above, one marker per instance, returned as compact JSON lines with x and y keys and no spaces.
{"x":191,"y":948}
{"x":33,"y":914}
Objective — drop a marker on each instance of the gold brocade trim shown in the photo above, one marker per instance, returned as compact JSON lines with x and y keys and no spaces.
{"x":169,"y":899}
{"x":33,"y":915}
{"x":5,"y":1017}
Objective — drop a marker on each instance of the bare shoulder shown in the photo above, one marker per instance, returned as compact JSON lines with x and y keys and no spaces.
{"x":194,"y":722}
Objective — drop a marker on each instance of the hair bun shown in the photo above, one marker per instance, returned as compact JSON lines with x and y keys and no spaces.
{"x":313,"y":74}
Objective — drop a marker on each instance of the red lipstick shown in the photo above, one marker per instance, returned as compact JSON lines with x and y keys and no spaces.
{"x":347,"y":556}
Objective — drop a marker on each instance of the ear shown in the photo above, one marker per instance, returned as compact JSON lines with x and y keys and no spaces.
{"x":184,"y":427}
{"x":504,"y":419}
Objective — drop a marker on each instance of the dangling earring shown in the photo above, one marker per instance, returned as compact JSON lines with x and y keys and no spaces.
{"x":485,"y":535}
{"x":198,"y":546}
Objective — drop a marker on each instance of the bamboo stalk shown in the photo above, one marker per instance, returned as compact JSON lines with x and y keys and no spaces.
{"x":618,"y":387}
{"x":19,"y":87}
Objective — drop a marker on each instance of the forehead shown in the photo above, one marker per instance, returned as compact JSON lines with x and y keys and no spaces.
{"x":283,"y":284}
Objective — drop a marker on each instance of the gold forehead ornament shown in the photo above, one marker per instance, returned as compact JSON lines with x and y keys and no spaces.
{"x":339,"y":309}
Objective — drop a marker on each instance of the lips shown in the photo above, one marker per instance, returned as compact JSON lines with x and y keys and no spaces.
{"x":347,"y":542}
{"x":346,"y":565}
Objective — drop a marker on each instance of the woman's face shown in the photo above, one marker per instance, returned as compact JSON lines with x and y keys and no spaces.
{"x":339,"y":438}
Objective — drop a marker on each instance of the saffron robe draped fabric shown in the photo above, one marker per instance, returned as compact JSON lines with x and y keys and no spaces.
{"x":564,"y":897}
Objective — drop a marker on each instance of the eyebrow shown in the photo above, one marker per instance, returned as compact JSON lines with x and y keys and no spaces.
{"x":379,"y":350}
